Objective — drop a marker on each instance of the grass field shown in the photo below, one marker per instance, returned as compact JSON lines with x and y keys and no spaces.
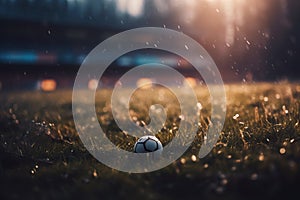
{"x":257,"y":155}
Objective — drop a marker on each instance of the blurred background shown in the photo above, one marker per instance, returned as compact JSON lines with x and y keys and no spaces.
{"x":43,"y":42}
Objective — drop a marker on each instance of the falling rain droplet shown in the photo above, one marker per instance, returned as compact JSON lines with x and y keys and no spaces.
{"x":292,"y":140}
{"x":193,"y":158}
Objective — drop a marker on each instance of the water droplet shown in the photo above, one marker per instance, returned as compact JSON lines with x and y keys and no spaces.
{"x":282,"y":151}
{"x":183,"y":161}
{"x":292,"y":140}
{"x":254,"y":176}
{"x":181,"y":117}
{"x":261,"y":157}
{"x":193,"y":158}
{"x":224,"y":181}
{"x":199,"y":106}
{"x":219,"y":189}
{"x":233,"y":168}
{"x":95,"y":174}
{"x":236,"y":116}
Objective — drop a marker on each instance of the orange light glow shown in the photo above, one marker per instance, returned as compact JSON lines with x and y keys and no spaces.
{"x":48,"y":85}
{"x":93,"y":84}
{"x":189,"y":81}
{"x":134,"y":8}
{"x":144,"y":83}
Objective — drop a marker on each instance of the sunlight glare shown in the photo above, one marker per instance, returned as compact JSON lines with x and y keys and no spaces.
{"x":134,"y":8}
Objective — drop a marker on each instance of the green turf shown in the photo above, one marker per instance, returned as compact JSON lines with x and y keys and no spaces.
{"x":257,"y":155}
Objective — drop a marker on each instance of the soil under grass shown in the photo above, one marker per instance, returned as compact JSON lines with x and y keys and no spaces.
{"x":257,"y":156}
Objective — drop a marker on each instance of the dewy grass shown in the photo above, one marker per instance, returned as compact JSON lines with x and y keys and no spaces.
{"x":258,"y":152}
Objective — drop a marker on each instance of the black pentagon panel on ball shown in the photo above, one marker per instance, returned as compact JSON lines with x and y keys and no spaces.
{"x":147,"y":144}
{"x":140,"y":148}
{"x":150,"y":145}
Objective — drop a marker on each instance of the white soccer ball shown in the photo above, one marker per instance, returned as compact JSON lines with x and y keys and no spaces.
{"x":148,"y":144}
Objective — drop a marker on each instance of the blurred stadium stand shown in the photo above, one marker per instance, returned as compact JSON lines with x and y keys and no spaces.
{"x":50,"y":38}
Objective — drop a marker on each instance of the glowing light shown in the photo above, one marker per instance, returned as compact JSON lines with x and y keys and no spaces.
{"x":261,"y":157}
{"x":282,"y":151}
{"x":189,"y":81}
{"x":233,"y":11}
{"x":235,"y":116}
{"x":121,"y":5}
{"x":162,"y":6}
{"x":144,"y":83}
{"x":95,"y":174}
{"x":193,"y":158}
{"x":134,"y":8}
{"x":93,"y":84}
{"x":48,"y":85}
{"x":183,"y":161}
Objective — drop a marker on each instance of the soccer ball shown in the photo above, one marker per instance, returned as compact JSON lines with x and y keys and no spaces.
{"x":148,"y":144}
